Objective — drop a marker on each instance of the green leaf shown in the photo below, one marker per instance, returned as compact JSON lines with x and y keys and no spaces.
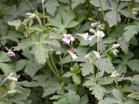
{"x":5,"y":102}
{"x":136,"y":78}
{"x":40,"y":54}
{"x":6,"y":68}
{"x":64,"y":19}
{"x":87,"y":68}
{"x":105,"y":81}
{"x":51,"y":6}
{"x":52,"y":87}
{"x":4,"y":57}
{"x":76,"y":79}
{"x":38,"y":46}
{"x":84,"y":100}
{"x":123,"y":44}
{"x":108,"y":101}
{"x":121,"y":68}
{"x":112,"y":18}
{"x":104,"y":64}
{"x":13,"y":11}
{"x":20,"y":64}
{"x":133,"y":65}
{"x":73,"y":98}
{"x":12,"y":35}
{"x":117,"y":94}
{"x":24,"y":44}
{"x":130,"y":31}
{"x":28,"y":84}
{"x":75,"y":3}
{"x":99,"y":3}
{"x":67,"y":74}
{"x":31,"y":68}
{"x":98,"y":91}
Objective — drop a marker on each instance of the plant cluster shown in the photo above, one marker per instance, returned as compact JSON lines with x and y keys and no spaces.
{"x":69,"y":52}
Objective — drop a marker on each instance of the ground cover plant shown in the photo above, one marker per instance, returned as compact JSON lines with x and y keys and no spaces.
{"x":69,"y":52}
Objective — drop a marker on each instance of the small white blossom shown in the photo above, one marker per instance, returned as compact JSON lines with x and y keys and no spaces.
{"x":68,"y":38}
{"x":73,"y":55}
{"x":97,"y":54}
{"x":91,"y":37}
{"x":85,"y":36}
{"x":115,"y":45}
{"x":99,"y":34}
{"x":114,"y":74}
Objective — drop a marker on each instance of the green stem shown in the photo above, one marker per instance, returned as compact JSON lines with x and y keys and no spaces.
{"x":130,"y":11}
{"x":43,"y":9}
{"x":61,"y":65}
{"x":98,"y":44}
{"x":107,"y":50}
{"x":39,"y":20}
{"x":53,"y":68}
{"x":102,"y":12}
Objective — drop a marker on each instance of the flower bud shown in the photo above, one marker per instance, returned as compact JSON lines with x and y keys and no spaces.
{"x":115,"y":45}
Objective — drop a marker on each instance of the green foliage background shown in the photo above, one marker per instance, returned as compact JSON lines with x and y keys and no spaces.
{"x":43,"y":68}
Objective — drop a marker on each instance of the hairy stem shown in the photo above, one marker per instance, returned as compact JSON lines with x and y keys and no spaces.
{"x":53,"y":68}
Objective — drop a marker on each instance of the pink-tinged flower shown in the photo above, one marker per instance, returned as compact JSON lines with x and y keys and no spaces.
{"x":10,"y":53}
{"x":85,"y":36}
{"x":99,"y":34}
{"x":97,"y":54}
{"x":68,"y":38}
{"x":72,"y":54}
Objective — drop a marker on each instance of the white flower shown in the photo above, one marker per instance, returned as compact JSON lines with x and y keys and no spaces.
{"x":73,"y":55}
{"x":85,"y":36}
{"x":115,"y":45}
{"x":97,"y":54}
{"x":68,"y":38}
{"x":99,"y":34}
{"x":91,"y":37}
{"x":114,"y":74}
